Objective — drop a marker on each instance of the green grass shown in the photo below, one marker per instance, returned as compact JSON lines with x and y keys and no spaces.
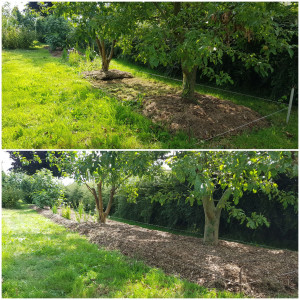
{"x":41,"y":259}
{"x":47,"y":104}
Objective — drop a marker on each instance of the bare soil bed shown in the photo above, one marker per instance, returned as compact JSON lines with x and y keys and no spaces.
{"x":265,"y":272}
{"x":204,"y":119}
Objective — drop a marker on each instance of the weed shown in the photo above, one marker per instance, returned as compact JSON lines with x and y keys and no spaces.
{"x":88,"y":54}
{"x":96,"y":216}
{"x":64,"y":55}
{"x":66,"y":211}
{"x":86,"y":217}
{"x":54,"y":209}
{"x":74,"y":58}
{"x":77,"y":216}
{"x":80,"y":209}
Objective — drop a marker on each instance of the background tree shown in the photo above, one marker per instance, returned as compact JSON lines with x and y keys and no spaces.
{"x":200,"y":34}
{"x":17,"y":28}
{"x":228,"y":175}
{"x":106,"y":168}
{"x":105,"y":23}
{"x":39,"y":7}
{"x":38,"y":161}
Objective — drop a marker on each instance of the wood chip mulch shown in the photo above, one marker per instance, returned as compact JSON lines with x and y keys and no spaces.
{"x":265,"y":272}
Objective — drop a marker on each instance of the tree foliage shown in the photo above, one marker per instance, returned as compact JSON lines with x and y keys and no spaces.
{"x":229,"y":175}
{"x":100,"y":169}
{"x":38,"y":161}
{"x":104,"y":23}
{"x":200,"y":34}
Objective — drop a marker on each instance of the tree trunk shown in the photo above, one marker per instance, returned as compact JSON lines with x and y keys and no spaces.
{"x":189,"y":81}
{"x":99,"y":201}
{"x":105,"y":64}
{"x":212,"y":221}
{"x":105,"y":59}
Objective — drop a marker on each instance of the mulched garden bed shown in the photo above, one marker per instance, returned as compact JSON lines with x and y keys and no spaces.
{"x":204,"y":119}
{"x":265,"y":272}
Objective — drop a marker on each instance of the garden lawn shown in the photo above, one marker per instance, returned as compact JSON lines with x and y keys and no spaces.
{"x":46,"y":104}
{"x":41,"y":259}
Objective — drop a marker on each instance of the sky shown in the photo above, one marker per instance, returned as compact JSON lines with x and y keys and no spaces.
{"x":20,"y":4}
{"x":5,"y":161}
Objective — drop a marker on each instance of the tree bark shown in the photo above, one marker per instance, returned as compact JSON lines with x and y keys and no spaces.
{"x":99,"y":201}
{"x":105,"y":59}
{"x":212,"y":221}
{"x":189,"y":81}
{"x":212,"y":216}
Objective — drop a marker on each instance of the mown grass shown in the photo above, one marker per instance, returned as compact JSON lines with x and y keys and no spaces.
{"x":47,"y":104}
{"x":41,"y":259}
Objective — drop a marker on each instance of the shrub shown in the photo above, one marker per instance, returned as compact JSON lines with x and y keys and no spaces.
{"x":47,"y":190}
{"x":76,"y":193}
{"x":11,"y":196}
{"x":57,"y":32}
{"x":17,"y":38}
{"x":11,"y":191}
{"x":27,"y":188}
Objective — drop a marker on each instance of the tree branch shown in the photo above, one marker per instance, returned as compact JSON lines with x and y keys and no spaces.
{"x":164,"y":15}
{"x":103,"y":49}
{"x":93,"y":191}
{"x":112,"y":50}
{"x":111,"y":198}
{"x":99,"y":45}
{"x":223,"y":199}
{"x":99,"y":185}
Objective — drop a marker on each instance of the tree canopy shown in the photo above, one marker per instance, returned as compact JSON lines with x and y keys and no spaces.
{"x":200,"y":34}
{"x":103,"y":22}
{"x":38,"y":161}
{"x":112,"y":169}
{"x":218,"y":180}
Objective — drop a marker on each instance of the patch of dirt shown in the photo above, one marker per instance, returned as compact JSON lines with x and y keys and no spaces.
{"x":106,"y":75}
{"x":55,"y":53}
{"x":204,"y":119}
{"x":265,"y":272}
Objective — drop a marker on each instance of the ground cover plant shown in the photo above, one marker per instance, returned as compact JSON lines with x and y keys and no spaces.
{"x":41,"y":259}
{"x":46,"y":104}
